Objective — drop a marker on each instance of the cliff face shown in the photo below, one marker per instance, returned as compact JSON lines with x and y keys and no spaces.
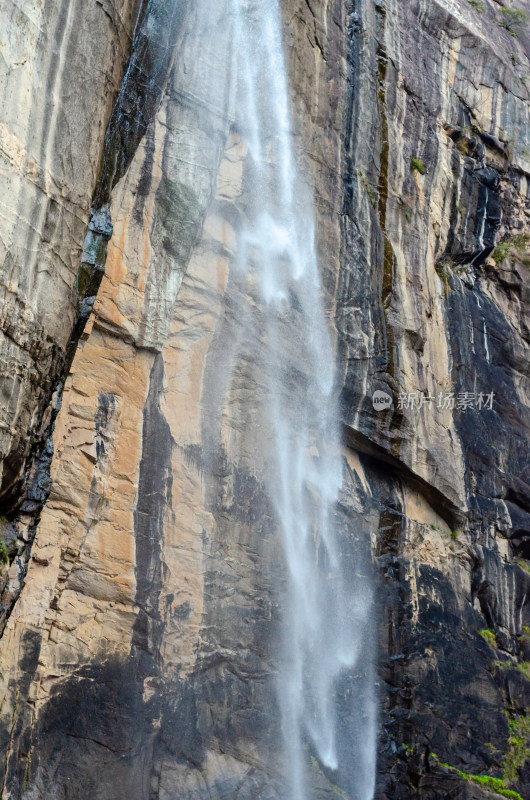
{"x":49,"y":55}
{"x":137,"y":657}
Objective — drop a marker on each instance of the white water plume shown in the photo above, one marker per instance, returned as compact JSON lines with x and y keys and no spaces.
{"x":326,"y":607}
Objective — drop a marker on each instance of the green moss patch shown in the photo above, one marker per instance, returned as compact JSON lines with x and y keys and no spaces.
{"x":489,"y":637}
{"x":518,"y":748}
{"x":519,"y":244}
{"x":417,"y":165}
{"x":501,"y":252}
{"x":494,"y":785}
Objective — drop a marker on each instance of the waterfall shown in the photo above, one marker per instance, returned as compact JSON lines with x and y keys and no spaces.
{"x":327,"y":606}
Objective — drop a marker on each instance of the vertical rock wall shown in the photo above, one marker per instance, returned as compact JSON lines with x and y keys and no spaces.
{"x":440,"y":178}
{"x":138,"y":659}
{"x":52,"y":132}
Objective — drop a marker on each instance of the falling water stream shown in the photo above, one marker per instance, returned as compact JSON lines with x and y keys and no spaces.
{"x":325,"y":609}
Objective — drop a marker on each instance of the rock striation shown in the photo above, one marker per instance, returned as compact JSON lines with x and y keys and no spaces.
{"x":142,"y":578}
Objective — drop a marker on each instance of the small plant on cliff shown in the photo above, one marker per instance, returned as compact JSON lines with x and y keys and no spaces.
{"x":514,"y":20}
{"x":417,"y":165}
{"x":478,"y":5}
{"x":501,"y":252}
{"x":520,"y":242}
{"x":442,"y":274}
{"x":524,"y":669}
{"x":434,"y":527}
{"x":464,"y":147}
{"x":489,"y":637}
{"x":519,"y":748}
{"x":485,"y":781}
{"x":4,"y":553}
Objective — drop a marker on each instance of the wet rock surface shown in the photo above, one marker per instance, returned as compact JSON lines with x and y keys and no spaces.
{"x":138,"y":654}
